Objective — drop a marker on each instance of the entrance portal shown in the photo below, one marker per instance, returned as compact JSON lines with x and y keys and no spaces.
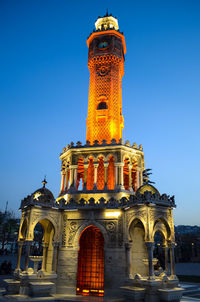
{"x":90,"y":277}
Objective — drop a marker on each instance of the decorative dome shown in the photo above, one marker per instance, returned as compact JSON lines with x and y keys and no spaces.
{"x":147,"y":187}
{"x":43,"y":197}
{"x":106,"y":23}
{"x":43,"y":193}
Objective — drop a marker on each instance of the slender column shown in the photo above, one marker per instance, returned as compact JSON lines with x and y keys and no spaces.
{"x":130,"y":178}
{"x":85,"y":177}
{"x":165,"y":247}
{"x":106,"y":175}
{"x":55,"y":255}
{"x":116,"y":175}
{"x":62,"y":181}
{"x":20,"y":245}
{"x":121,"y":175}
{"x":137,"y":183}
{"x":66,"y":179}
{"x":45,"y":246}
{"x":71,"y":176}
{"x":75,"y":177}
{"x":150,"y":247}
{"x":95,"y":176}
{"x":172,"y":259}
{"x":128,"y":259}
{"x":27,"y":254}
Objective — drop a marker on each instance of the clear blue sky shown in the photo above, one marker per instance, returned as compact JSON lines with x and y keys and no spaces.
{"x":44,"y":91}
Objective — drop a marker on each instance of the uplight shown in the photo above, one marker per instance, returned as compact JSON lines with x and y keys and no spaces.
{"x":113,"y":214}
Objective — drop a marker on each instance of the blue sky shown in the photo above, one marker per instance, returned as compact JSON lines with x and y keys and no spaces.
{"x":44,"y":91}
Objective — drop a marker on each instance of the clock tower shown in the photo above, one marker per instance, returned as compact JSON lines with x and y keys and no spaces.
{"x":106,"y":64}
{"x":99,"y":233}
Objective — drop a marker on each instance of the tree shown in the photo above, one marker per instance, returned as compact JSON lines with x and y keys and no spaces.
{"x":9,"y":227}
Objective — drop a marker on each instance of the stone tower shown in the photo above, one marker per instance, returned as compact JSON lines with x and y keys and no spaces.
{"x":106,"y":64}
{"x":99,"y":233}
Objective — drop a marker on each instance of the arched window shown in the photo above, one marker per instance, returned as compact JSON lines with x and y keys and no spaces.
{"x":102,"y":106}
{"x":90,"y":175}
{"x":134,"y":176}
{"x":126,"y":174}
{"x":100,"y":174}
{"x":111,"y":174}
{"x":80,"y":173}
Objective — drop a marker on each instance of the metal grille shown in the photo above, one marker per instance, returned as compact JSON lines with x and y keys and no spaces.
{"x":90,"y":279}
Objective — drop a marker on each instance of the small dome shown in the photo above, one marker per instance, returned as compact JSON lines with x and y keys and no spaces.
{"x":42,"y":197}
{"x":147,"y":187}
{"x":43,"y":193}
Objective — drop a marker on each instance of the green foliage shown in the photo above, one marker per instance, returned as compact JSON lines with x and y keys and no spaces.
{"x":9,"y":227}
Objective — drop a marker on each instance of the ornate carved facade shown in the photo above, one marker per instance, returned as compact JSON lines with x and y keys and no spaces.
{"x":98,"y":235}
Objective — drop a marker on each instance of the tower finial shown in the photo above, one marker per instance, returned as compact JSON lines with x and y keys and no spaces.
{"x":107,"y":12}
{"x":44,"y":182}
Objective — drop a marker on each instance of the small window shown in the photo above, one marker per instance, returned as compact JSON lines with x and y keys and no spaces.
{"x":102,"y":106}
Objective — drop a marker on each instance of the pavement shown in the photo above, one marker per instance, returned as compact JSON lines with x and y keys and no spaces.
{"x":191,"y":293}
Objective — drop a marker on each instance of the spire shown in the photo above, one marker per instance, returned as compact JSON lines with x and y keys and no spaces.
{"x":44,"y":182}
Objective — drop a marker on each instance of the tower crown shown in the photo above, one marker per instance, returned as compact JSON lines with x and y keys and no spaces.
{"x":106,"y":22}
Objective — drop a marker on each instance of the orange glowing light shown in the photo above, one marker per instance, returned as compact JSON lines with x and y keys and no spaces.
{"x":104,"y":119}
{"x":90,"y":276}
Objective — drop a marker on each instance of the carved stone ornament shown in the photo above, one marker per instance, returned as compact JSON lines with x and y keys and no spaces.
{"x":110,"y":226}
{"x":102,"y":71}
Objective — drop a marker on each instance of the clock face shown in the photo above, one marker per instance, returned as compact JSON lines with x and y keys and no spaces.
{"x":103,"y":44}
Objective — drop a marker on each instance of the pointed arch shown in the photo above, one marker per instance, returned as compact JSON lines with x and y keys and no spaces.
{"x":90,"y":174}
{"x":80,"y":171}
{"x":126,"y":173}
{"x":134,"y":175}
{"x":100,"y":174}
{"x":111,"y":173}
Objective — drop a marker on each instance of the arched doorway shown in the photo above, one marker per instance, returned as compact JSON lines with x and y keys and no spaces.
{"x":90,"y":276}
{"x":138,"y":252}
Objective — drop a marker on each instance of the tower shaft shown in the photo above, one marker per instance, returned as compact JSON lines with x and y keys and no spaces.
{"x":106,"y":66}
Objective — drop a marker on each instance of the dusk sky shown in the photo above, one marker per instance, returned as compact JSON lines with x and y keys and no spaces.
{"x":44,"y":83}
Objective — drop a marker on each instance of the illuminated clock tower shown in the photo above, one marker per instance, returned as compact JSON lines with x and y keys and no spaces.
{"x":106,"y":64}
{"x":99,"y":233}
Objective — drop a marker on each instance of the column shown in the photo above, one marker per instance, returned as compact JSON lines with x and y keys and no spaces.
{"x":75,"y":177}
{"x":130,"y":178}
{"x":172,"y":259}
{"x":150,"y":247}
{"x":85,"y":177}
{"x":55,"y":256}
{"x":116,"y":175}
{"x":95,"y":176}
{"x":62,"y":182}
{"x":106,"y":175}
{"x":66,"y":178}
{"x":71,"y":176}
{"x":128,"y":259}
{"x":165,"y":247}
{"x":45,"y":246}
{"x":20,"y":245}
{"x":138,"y":184}
{"x":27,"y":254}
{"x":121,"y":175}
